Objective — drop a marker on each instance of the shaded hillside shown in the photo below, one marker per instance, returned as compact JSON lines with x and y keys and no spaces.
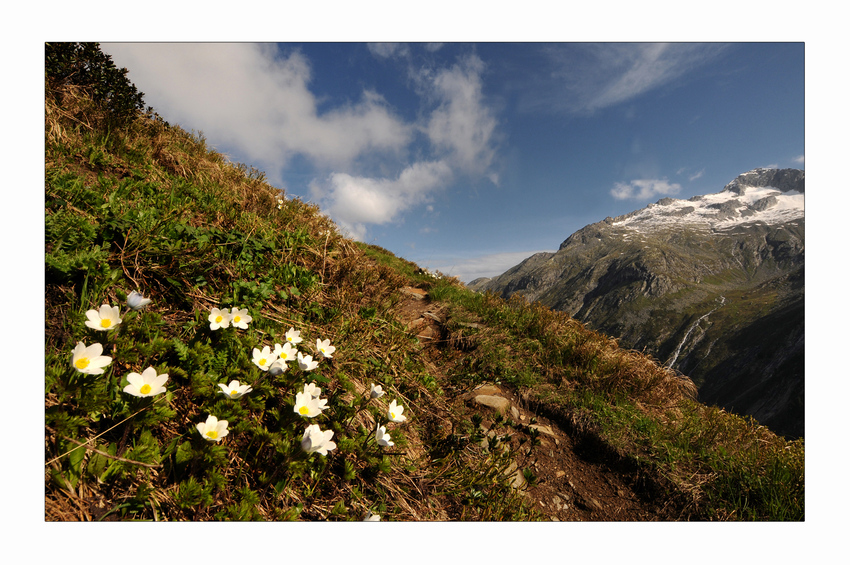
{"x":487,"y":409}
{"x":695,"y":284}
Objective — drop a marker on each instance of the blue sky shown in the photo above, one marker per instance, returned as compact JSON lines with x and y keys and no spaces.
{"x":468,"y":157}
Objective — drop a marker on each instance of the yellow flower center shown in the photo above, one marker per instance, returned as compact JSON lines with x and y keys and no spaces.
{"x":218,"y":319}
{"x":105,"y":323}
{"x":234,"y":392}
{"x":82,"y":363}
{"x":263,"y":361}
{"x":236,"y":319}
{"x":392,"y":415}
{"x":303,"y":410}
{"x":146,"y":388}
{"x":212,"y":434}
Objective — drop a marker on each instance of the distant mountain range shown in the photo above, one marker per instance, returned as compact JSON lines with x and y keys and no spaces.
{"x":712,"y":286}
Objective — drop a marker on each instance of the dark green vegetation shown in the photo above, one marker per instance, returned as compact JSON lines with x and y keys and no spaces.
{"x":84,"y":65}
{"x":148,"y":207}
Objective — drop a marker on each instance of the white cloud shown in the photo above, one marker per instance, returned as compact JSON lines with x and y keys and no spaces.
{"x":356,"y":201}
{"x":644,"y":189}
{"x":592,"y":76}
{"x":462,"y":125}
{"x":696,"y":175}
{"x":248,"y":97}
{"x":799,"y":159}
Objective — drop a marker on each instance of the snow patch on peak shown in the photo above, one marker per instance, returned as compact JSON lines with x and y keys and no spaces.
{"x":719,"y":211}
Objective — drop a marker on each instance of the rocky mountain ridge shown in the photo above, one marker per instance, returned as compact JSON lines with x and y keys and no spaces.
{"x":712,"y":286}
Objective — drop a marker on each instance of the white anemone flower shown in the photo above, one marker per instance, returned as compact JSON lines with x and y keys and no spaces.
{"x":234,"y":389}
{"x":325,"y":348}
{"x":104,"y":319}
{"x":372,"y":517}
{"x":240,"y":318}
{"x":306,"y":363}
{"x":264,"y":359}
{"x":277,"y":368}
{"x":89,"y":360}
{"x":394,"y":413}
{"x":146,"y":384}
{"x":312,"y":390}
{"x":315,"y":440}
{"x":286,"y":352}
{"x":306,"y":405}
{"x":136,"y":301}
{"x":213,"y":429}
{"x":376,"y":391}
{"x":384,"y":439}
{"x":293,"y":336}
{"x":219,"y":319}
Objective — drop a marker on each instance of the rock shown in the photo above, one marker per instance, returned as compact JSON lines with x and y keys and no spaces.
{"x":519,"y":480}
{"x":498,"y":403}
{"x":488,"y":389}
{"x":543,"y":429}
{"x":436,"y":316}
{"x":415,"y":293}
{"x":429,"y":333}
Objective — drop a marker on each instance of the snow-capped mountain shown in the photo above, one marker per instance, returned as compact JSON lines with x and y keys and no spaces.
{"x":742,"y":201}
{"x":712,"y":286}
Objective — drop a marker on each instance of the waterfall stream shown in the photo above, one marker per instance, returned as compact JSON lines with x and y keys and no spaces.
{"x":688,"y":333}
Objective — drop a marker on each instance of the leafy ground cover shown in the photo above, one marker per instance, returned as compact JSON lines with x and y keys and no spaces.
{"x":148,"y":208}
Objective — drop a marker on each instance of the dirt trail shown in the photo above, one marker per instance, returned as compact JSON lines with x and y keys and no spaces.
{"x":577,"y":478}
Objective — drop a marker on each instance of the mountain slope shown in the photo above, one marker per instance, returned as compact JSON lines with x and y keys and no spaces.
{"x":711,"y":286}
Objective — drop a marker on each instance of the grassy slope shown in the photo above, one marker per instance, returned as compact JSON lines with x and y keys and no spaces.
{"x":153,"y":209}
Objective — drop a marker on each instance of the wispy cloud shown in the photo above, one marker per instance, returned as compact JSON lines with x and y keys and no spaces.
{"x":589,"y":77}
{"x":644,"y":189}
{"x":799,"y":159}
{"x":696,"y":175}
{"x":462,"y":126}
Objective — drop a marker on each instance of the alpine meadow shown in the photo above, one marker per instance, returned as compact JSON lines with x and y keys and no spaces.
{"x":216,"y":349}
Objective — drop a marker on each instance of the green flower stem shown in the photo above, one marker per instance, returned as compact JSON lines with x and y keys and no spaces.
{"x":371,"y":435}
{"x":318,"y":478}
